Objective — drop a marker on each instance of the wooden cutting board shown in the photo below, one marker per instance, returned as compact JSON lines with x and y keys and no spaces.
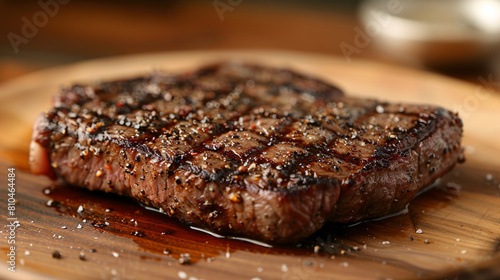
{"x":453,"y":229}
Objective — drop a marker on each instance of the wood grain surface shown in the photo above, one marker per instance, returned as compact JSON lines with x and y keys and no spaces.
{"x":114,"y":238}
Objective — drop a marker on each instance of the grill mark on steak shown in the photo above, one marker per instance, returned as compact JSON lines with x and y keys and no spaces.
{"x":247,"y":150}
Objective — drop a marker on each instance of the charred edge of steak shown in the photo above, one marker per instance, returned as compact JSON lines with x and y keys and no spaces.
{"x":248,"y":150}
{"x":399,"y":170}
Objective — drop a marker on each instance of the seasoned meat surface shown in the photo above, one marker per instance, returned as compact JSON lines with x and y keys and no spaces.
{"x":245,"y":150}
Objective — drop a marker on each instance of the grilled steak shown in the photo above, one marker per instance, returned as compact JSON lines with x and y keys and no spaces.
{"x":245,"y":150}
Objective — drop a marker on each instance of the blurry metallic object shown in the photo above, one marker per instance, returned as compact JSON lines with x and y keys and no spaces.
{"x":484,"y":14}
{"x":434,"y":32}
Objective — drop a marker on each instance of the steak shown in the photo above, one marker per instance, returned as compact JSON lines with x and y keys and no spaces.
{"x":245,"y":150}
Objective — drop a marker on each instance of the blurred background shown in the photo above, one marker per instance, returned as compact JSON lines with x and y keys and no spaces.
{"x":458,"y":38}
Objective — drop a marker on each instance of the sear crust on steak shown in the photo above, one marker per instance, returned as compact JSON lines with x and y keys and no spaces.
{"x":246,"y":150}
